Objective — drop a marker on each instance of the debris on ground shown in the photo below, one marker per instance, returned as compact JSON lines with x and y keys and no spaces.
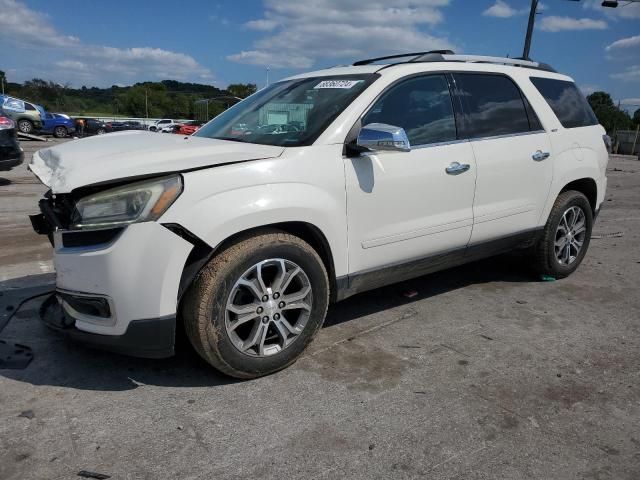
{"x":88,"y":474}
{"x":547,"y":278}
{"x":410,"y":293}
{"x":607,"y":235}
{"x":14,"y":355}
{"x":27,"y":414}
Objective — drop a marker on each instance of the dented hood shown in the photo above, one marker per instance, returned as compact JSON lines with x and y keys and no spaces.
{"x":130,"y":154}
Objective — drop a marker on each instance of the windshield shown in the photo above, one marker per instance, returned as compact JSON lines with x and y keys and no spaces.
{"x":290,"y":113}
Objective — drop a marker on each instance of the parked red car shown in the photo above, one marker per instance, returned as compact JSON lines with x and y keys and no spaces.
{"x":189,"y":128}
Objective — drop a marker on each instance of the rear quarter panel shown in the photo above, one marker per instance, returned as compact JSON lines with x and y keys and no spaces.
{"x":576,"y":152}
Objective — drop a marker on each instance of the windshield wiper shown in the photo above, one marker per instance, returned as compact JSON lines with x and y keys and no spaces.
{"x":230,"y":139}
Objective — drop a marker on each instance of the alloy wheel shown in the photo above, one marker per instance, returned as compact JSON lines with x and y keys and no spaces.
{"x":24,"y":126}
{"x":268,"y":307}
{"x":570,"y":235}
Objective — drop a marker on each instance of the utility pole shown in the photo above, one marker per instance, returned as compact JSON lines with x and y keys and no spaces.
{"x":527,"y":38}
{"x":267,"y":76}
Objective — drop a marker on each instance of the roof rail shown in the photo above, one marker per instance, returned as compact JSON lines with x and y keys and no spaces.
{"x":517,"y":62}
{"x":403,"y":55}
{"x":449,"y":56}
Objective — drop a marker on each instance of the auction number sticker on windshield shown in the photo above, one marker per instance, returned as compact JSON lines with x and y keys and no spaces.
{"x":337,"y":83}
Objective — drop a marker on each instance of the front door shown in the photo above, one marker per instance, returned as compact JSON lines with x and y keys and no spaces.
{"x":405,"y":206}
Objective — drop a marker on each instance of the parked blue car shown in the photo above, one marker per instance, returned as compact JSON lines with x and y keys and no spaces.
{"x":57,"y":124}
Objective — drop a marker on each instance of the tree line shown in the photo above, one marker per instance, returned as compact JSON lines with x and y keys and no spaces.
{"x":170,"y":98}
{"x":610,"y":115}
{"x":167,"y":98}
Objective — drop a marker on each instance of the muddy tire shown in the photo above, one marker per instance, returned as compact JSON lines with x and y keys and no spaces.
{"x":566,"y":236}
{"x":257,"y":304}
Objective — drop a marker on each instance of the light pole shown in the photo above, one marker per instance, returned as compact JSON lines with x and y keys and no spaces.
{"x":532,"y":20}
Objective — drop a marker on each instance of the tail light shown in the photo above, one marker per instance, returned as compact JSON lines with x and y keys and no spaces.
{"x":6,"y":123}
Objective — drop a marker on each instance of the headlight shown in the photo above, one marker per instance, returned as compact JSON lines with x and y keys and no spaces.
{"x":136,"y":202}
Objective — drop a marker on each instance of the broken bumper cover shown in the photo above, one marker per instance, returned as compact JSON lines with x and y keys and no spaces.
{"x":136,"y":272}
{"x":153,"y":338}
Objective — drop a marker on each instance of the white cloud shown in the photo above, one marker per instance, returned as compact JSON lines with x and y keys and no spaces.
{"x":589,"y":89}
{"x":631,"y":74}
{"x":263,"y":24}
{"x":502,"y":9}
{"x":301,"y":33}
{"x":23,"y":28}
{"x":625,"y":43}
{"x":624,"y":10}
{"x":632,"y":102}
{"x":558,"y":24}
{"x":21,"y":24}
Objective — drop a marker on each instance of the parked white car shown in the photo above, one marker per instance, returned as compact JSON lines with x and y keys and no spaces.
{"x":161,"y":124}
{"x":394,"y":170}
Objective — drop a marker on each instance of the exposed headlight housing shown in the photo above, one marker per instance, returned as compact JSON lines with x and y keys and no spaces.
{"x":136,"y":202}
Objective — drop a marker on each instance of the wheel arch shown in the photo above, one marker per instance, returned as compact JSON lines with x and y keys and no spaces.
{"x":586,"y":186}
{"x":202,"y":253}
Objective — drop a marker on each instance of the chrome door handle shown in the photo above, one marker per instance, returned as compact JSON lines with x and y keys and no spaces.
{"x":456,"y":168}
{"x":540,"y":155}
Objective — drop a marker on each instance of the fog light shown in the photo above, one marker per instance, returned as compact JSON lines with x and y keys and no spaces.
{"x":97,"y":307}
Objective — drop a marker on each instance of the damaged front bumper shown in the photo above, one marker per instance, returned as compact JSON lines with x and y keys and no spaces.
{"x":152,"y":338}
{"x":116,"y":288}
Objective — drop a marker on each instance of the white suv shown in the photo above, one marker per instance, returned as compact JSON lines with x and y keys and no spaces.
{"x":245,"y":235}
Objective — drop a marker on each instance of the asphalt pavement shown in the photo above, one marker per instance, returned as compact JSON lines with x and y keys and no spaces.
{"x":486,"y":373}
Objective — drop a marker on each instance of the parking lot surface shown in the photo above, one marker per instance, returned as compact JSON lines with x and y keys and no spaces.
{"x":486,"y":373}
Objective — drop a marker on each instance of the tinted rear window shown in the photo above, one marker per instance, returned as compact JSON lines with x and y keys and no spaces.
{"x":566,"y":101}
{"x":493,"y":105}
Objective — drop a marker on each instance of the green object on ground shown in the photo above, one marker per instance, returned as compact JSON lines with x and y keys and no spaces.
{"x":547,"y":278}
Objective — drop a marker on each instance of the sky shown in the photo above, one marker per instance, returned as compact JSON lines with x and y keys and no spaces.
{"x":101,"y":44}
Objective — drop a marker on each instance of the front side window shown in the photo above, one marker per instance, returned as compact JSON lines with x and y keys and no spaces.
{"x":420,"y":105}
{"x":566,"y":101}
{"x":493,"y":105}
{"x":290,"y":113}
{"x":28,"y":106}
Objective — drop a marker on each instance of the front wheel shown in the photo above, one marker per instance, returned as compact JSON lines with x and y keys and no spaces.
{"x":101,"y":131}
{"x":60,"y":132}
{"x":566,"y":236}
{"x":257,"y":304}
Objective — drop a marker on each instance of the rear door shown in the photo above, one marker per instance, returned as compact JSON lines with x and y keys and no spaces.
{"x":512,"y":154}
{"x":48,"y":122}
{"x":404,"y":206}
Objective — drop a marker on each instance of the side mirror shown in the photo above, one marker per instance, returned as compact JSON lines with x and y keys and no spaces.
{"x":377,"y":137}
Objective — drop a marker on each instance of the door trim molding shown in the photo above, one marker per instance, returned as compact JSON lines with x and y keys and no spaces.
{"x":362,"y":281}
{"x":421,"y":232}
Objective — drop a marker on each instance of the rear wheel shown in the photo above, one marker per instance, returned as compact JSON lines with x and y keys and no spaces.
{"x":257,"y":305}
{"x":25,"y":126}
{"x":60,"y":132}
{"x":101,"y":131}
{"x":566,"y":236}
